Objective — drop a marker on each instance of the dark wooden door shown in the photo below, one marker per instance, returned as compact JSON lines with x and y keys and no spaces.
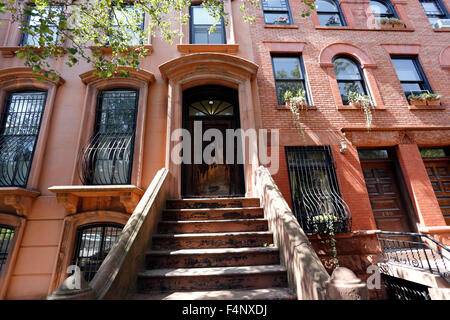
{"x":385,"y":197}
{"x":439,"y":174}
{"x":212,"y":108}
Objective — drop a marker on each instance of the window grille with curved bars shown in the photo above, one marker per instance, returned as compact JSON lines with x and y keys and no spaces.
{"x":107,"y":157}
{"x":6,"y":238}
{"x":20,"y":125}
{"x":315,"y":190}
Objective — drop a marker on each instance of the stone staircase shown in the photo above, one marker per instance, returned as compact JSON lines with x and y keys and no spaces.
{"x":215,"y":248}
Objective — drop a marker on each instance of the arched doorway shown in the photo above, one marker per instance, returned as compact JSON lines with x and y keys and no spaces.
{"x":212,"y":110}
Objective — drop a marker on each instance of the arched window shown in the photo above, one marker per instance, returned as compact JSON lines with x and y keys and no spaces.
{"x":6,"y":237}
{"x":19,"y":131}
{"x":382,"y":10}
{"x":108,"y":156}
{"x":92,"y":245}
{"x":348,"y":76}
{"x":329,"y":13}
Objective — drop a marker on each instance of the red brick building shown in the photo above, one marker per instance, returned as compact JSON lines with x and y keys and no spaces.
{"x":60,"y":188}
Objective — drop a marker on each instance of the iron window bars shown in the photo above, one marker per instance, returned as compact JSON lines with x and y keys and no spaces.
{"x":276,"y":12}
{"x":382,"y":9}
{"x":33,"y":22}
{"x":20,"y":125}
{"x":6,"y":237}
{"x":329,"y":13}
{"x":314,"y":189}
{"x":200,"y":24}
{"x":349,"y":77}
{"x":411,"y":75}
{"x":435,"y":10}
{"x":128,"y":11}
{"x":289,"y":75}
{"x":107,"y":157}
{"x":92,"y":245}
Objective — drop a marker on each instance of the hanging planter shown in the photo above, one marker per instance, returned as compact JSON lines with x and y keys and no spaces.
{"x":361,"y":101}
{"x":389,"y":23}
{"x":296,"y":103}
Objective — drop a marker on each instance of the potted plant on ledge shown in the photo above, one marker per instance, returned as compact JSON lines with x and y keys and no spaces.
{"x":358,"y":100}
{"x":425,"y":98}
{"x":392,"y":23}
{"x":332,"y":21}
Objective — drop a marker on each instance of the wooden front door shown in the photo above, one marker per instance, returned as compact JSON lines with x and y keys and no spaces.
{"x":439,"y":173}
{"x":216,"y":108}
{"x":385,"y":197}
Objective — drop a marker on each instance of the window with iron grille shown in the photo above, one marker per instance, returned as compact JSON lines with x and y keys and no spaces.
{"x":130,"y":19}
{"x":34,"y":22}
{"x":382,"y":10}
{"x":276,"y":12}
{"x":411,"y":75}
{"x":315,"y":191}
{"x":201,"y":22}
{"x":349,"y":77}
{"x":6,"y":238}
{"x":92,"y":245}
{"x":107,"y":158}
{"x":329,"y":13}
{"x":289,"y":75}
{"x":20,"y":124}
{"x":435,"y":10}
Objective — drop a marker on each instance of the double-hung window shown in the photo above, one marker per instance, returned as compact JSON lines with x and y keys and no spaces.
{"x":435,"y":10}
{"x":349,"y":77}
{"x":201,"y":22}
{"x":276,"y":12}
{"x":289,"y":75}
{"x":35,"y":21}
{"x":382,"y":10}
{"x":410,"y":74}
{"x":329,"y":13}
{"x":108,"y":156}
{"x":20,"y":124}
{"x":130,"y":20}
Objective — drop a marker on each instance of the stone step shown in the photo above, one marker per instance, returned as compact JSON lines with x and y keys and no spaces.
{"x":255,"y":294}
{"x":213,"y":214}
{"x":210,"y":226}
{"x":211,"y":240}
{"x":196,"y":203}
{"x":202,"y":258}
{"x":217,"y":278}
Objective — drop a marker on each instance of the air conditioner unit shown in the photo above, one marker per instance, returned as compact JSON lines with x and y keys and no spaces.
{"x":442,"y":23}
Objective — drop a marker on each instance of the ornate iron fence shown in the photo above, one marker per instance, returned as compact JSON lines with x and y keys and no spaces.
{"x":399,"y":289}
{"x":415,"y":250}
{"x":315,"y":190}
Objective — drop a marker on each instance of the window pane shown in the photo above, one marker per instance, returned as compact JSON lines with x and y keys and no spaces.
{"x":326,"y":5}
{"x":433,"y":20}
{"x":201,"y":16}
{"x":378,"y":8}
{"x":346,"y":87}
{"x":346,"y":69}
{"x":412,"y":88}
{"x":35,"y":22}
{"x":274,"y":4}
{"x":6,"y":237}
{"x":430,"y":7}
{"x":276,"y":18}
{"x":406,"y":70}
{"x":329,"y":19}
{"x":283,"y":86}
{"x":287,"y":68}
{"x":373,"y":154}
{"x":432,"y":152}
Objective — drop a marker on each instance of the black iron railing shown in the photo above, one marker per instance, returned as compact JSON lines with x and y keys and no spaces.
{"x":93,"y":243}
{"x":415,"y":250}
{"x":315,"y":191}
{"x":6,"y":237}
{"x":106,"y":159}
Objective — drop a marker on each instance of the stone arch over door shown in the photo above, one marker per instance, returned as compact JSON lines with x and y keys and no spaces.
{"x":209,"y":69}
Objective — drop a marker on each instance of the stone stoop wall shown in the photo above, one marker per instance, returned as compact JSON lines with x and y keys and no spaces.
{"x":356,"y":251}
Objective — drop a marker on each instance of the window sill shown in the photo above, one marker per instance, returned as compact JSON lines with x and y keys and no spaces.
{"x":108,"y":197}
{"x":9,"y":52}
{"x":280,"y":26}
{"x":185,"y":49}
{"x":108,"y":50}
{"x":284,"y":108}
{"x":17,"y":200}
{"x":441,"y":30}
{"x":352,"y":108}
{"x":439,"y":107}
{"x":363,"y":29}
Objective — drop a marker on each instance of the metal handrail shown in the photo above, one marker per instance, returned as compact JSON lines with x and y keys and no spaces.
{"x":415,"y":252}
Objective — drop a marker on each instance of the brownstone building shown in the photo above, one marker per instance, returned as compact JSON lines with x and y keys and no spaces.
{"x":87,"y":170}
